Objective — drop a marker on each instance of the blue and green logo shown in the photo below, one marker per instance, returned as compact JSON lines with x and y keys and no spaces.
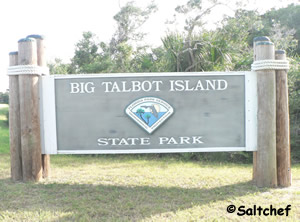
{"x":149,"y":112}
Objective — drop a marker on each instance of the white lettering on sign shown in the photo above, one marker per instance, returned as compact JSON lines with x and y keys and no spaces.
{"x":123,"y":141}
{"x":148,"y":86}
{"x":180,"y":140}
{"x":186,"y":85}
{"x":144,"y":141}
{"x":132,"y":86}
{"x":82,"y":87}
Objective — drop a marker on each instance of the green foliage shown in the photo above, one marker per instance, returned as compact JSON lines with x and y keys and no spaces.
{"x":194,"y":12}
{"x":152,"y":60}
{"x":294,"y":101}
{"x":283,"y":38}
{"x":4,"y":98}
{"x":4,"y":131}
{"x":288,"y":17}
{"x":86,"y":53}
{"x":174,"y":44}
{"x":208,"y":51}
{"x":119,"y":55}
{"x":58,"y":67}
{"x":122,"y":57}
{"x":227,"y":48}
{"x":129,"y":19}
{"x":140,"y":111}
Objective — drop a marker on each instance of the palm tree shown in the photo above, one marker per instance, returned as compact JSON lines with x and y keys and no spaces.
{"x":141,"y":112}
{"x":148,"y":116}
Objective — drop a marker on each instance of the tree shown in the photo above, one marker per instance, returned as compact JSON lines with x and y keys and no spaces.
{"x":58,"y":67}
{"x":174,"y":44}
{"x":211,"y":51}
{"x":294,"y":104}
{"x":194,"y":12}
{"x":288,"y":17}
{"x":141,"y":112}
{"x":226,"y":48}
{"x":86,"y":53}
{"x":129,"y":20}
{"x":236,"y":36}
{"x":148,"y":116}
{"x":186,"y":47}
{"x":4,"y":98}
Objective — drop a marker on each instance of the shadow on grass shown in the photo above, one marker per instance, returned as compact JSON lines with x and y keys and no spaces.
{"x":149,"y":160}
{"x":109,"y":202}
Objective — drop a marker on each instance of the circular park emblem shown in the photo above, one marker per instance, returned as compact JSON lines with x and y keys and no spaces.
{"x":149,"y":112}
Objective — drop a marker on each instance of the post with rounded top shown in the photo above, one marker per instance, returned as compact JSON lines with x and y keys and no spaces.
{"x":41,"y":61}
{"x":257,"y":39}
{"x":282,"y":125}
{"x":265,"y":169}
{"x":14,"y":122}
{"x":29,"y":112}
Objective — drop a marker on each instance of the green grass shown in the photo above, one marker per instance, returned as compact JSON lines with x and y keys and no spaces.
{"x":125,"y":188}
{"x":140,"y":188}
{"x":4,"y":133}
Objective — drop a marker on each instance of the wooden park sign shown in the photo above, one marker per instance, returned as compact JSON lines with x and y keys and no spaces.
{"x":149,"y":113}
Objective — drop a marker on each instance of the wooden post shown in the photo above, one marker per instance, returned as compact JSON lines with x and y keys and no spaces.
{"x":266,"y":170}
{"x":257,"y":39}
{"x":29,"y":113}
{"x":41,"y":61}
{"x":282,"y":125}
{"x":14,"y":122}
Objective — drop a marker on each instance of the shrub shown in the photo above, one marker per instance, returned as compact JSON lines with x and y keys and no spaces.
{"x":4,"y":98}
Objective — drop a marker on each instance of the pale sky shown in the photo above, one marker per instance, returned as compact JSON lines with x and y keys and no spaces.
{"x":62,"y":22}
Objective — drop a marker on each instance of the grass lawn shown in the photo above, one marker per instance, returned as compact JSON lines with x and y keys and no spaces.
{"x":140,"y":188}
{"x":4,"y":133}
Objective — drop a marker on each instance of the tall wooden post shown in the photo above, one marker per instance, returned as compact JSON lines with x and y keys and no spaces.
{"x":282,"y":125}
{"x":266,"y":171}
{"x":14,"y":122}
{"x":257,"y":39}
{"x":41,"y":61}
{"x":29,"y":113}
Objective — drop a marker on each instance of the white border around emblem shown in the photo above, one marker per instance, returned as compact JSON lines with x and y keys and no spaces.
{"x":146,"y":100}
